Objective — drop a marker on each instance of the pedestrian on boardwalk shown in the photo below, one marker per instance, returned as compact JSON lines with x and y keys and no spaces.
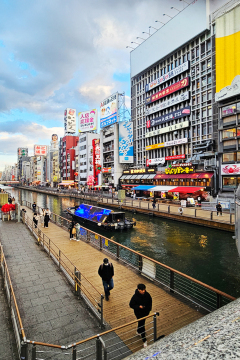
{"x":219,"y":208}
{"x":42,"y":214}
{"x":70,"y":229}
{"x":9,"y":200}
{"x":35,"y":220}
{"x":34,"y":206}
{"x":46,"y":219}
{"x":49,"y":213}
{"x":13,"y":200}
{"x":154,"y":203}
{"x":77,"y":226}
{"x":141,"y":303}
{"x":106,"y":272}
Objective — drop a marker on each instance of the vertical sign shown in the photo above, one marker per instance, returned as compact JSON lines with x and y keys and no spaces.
{"x":126,"y":142}
{"x":87,"y":120}
{"x":96,"y":160}
{"x":69,"y":121}
{"x":109,"y":111}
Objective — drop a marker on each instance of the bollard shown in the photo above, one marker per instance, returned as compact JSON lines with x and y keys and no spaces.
{"x":24,"y":351}
{"x":169,"y":209}
{"x":195,"y":213}
{"x":77,"y":283}
{"x":34,"y":352}
{"x":211,"y":215}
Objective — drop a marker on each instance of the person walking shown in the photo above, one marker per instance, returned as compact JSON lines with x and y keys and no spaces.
{"x":49,"y":213}
{"x":77,"y":226}
{"x":42,"y":214}
{"x":219,"y":208}
{"x":35,"y":219}
{"x":46,"y":219}
{"x":106,"y":272}
{"x":70,"y":229}
{"x":154,"y":203}
{"x":34,"y":206}
{"x":141,"y":303}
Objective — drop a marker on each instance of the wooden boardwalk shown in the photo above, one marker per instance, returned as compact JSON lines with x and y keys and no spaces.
{"x":174,"y":314}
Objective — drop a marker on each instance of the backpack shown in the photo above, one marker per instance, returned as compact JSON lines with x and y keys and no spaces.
{"x":110,"y":264}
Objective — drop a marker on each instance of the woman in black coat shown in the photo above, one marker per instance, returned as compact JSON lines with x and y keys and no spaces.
{"x":46,"y":219}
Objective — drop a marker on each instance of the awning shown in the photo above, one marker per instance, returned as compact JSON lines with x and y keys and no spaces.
{"x":163,"y":188}
{"x":128,"y":185}
{"x":128,"y":177}
{"x":133,"y":177}
{"x":144,"y":187}
{"x":123,"y":177}
{"x":145,"y":176}
{"x":205,"y":175}
{"x":151,"y":176}
{"x":187,"y":189}
{"x":139,"y":176}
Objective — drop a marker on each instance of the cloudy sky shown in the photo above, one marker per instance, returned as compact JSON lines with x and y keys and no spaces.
{"x":64,"y":53}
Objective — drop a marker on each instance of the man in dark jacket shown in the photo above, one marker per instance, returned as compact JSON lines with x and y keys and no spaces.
{"x":219,"y":208}
{"x":106,"y":272}
{"x":141,"y":303}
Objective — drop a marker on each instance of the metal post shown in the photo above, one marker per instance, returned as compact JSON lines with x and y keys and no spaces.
{"x":59,"y":259}
{"x":169,"y":209}
{"x":195,"y":213}
{"x":155,"y":327}
{"x":74,"y":353}
{"x":24,"y":351}
{"x":171,"y":281}
{"x":34,"y":352}
{"x":211,"y":215}
{"x":219,"y":301}
{"x":102,"y":325}
{"x":158,"y":207}
{"x":100,"y":243}
{"x":140,"y":263}
{"x":98,"y":349}
{"x":77,"y":283}
{"x":49,"y":245}
{"x":88,"y":236}
{"x":230,"y":218}
{"x":118,"y":252}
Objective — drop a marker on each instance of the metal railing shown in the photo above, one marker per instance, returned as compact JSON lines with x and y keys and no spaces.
{"x":83,"y":287}
{"x":12,"y":303}
{"x":197,"y":292}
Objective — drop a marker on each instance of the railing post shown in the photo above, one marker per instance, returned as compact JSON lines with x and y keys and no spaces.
{"x":195,"y":212}
{"x":132,"y":203}
{"x":102,"y":325}
{"x":230,"y":218}
{"x":34,"y":351}
{"x":155,"y":327}
{"x":77,"y":280}
{"x":24,"y":351}
{"x":118,"y":252}
{"x":171,"y":281}
{"x":98,"y":349}
{"x":49,"y":245}
{"x":219,"y":301}
{"x":59,"y":259}
{"x":158,"y":207}
{"x":74,"y":353}
{"x":140,"y":204}
{"x":88,"y":236}
{"x":168,"y":209}
{"x":140,"y":263}
{"x":211,"y":215}
{"x":100,"y":243}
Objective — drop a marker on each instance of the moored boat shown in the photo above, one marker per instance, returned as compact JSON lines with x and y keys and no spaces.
{"x":93,"y":215}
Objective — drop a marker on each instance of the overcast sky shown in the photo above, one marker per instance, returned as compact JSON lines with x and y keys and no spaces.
{"x":65,"y":53}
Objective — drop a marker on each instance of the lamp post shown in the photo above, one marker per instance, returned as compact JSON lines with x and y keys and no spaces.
{"x":144,"y":32}
{"x":160,"y":22}
{"x":133,"y":42}
{"x":140,"y":38}
{"x":130,"y":47}
{"x":172,"y":7}
{"x":167,"y":15}
{"x":185,"y":2}
{"x":152,"y":27}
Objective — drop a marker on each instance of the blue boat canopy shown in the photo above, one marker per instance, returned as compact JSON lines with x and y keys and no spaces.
{"x":144,"y":187}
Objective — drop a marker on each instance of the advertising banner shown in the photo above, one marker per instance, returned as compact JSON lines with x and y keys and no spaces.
{"x":69,"y":121}
{"x":87,"y":120}
{"x":170,"y":116}
{"x":40,"y":150}
{"x":22,"y":152}
{"x":167,"y":143}
{"x":155,"y":161}
{"x":230,"y":169}
{"x":109,"y":111}
{"x":96,"y":159}
{"x":175,"y":157}
{"x":167,"y":129}
{"x":126,"y":142}
{"x":163,"y":105}
{"x":54,"y":138}
{"x":168,"y":90}
{"x":169,"y":75}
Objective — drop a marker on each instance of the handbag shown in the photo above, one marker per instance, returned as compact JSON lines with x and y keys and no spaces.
{"x":74,"y":231}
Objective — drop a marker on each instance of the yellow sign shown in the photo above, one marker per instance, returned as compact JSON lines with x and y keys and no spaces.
{"x":96,"y":236}
{"x":106,"y":242}
{"x":178,"y":170}
{"x":227,"y":48}
{"x":155,"y":146}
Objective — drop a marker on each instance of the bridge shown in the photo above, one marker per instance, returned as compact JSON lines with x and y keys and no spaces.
{"x":9,"y":182}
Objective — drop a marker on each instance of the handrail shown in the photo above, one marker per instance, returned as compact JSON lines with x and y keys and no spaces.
{"x":13,"y":294}
{"x":161,"y":264}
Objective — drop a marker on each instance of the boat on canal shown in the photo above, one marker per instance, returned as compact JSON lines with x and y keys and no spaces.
{"x":108,"y":219}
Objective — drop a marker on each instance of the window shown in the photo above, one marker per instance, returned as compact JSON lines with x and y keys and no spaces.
{"x":204,"y":81}
{"x":203,"y":66}
{"x":229,"y":157}
{"x":229,"y":182}
{"x":208,"y":45}
{"x":194,"y":100}
{"x":204,"y":97}
{"x":185,"y":58}
{"x":176,"y":63}
{"x":210,"y":95}
{"x":229,"y":133}
{"x":209,"y":111}
{"x":204,"y":112}
{"x":197,"y":51}
{"x":209,"y":79}
{"x":204,"y":129}
{"x":202,"y":48}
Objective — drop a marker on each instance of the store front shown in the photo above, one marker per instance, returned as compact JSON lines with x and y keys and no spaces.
{"x":230,"y":176}
{"x":134,"y":177}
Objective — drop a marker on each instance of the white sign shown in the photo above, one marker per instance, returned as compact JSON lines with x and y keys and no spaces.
{"x":176,"y":142}
{"x":126,"y":142}
{"x":156,"y":161}
{"x":228,"y":91}
{"x":230,"y":169}
{"x":87,"y":120}
{"x":69,"y":121}
{"x":174,"y":72}
{"x":163,"y":105}
{"x":166,"y":129}
{"x":109,"y":111}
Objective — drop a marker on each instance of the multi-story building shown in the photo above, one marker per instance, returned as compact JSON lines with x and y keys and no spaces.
{"x":173,"y":87}
{"x":85,"y":158}
{"x":67,"y":157}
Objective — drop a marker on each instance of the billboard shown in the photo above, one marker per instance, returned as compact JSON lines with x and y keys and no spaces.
{"x":69,"y":121}
{"x":177,"y":114}
{"x":87,"y":120}
{"x":40,"y":150}
{"x":126,"y":142}
{"x":187,"y":24}
{"x":22,"y":152}
{"x":96,"y":159}
{"x":109,"y":111}
{"x":163,"y":105}
{"x":227,"y":55}
{"x":54,"y":138}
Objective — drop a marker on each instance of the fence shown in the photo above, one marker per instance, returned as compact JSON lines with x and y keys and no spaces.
{"x":112,"y":344}
{"x":195,"y":291}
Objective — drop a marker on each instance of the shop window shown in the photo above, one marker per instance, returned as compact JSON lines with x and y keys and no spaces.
{"x":227,"y":157}
{"x":229,"y":133}
{"x":204,"y":97}
{"x":238,"y":156}
{"x":229,"y":182}
{"x":229,"y":119}
{"x":231,"y":143}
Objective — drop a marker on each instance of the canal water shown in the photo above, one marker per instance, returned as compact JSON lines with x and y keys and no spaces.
{"x":208,"y":255}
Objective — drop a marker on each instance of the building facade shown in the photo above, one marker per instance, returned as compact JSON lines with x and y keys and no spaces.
{"x":67,"y":157}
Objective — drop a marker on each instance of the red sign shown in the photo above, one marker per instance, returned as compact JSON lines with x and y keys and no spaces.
{"x":96,"y":159}
{"x":175,"y":157}
{"x":106,"y":170}
{"x":169,"y":90}
{"x":40,"y":150}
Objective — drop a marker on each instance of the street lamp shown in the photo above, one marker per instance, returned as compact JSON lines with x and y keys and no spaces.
{"x":130,"y":47}
{"x":160,"y":22}
{"x":140,"y":38}
{"x":172,"y":7}
{"x":152,"y":27}
{"x":167,"y":15}
{"x":185,"y":2}
{"x":133,"y":42}
{"x":144,"y":32}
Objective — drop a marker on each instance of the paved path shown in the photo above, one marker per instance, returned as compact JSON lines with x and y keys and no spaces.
{"x":49,"y":310}
{"x":8,"y":349}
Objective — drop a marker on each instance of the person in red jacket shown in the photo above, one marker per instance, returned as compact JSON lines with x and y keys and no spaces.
{"x":141,"y":303}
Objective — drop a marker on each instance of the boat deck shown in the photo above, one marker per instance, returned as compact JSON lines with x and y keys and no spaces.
{"x":174,"y":313}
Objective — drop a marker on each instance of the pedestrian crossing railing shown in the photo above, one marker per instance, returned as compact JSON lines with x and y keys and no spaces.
{"x":196,"y":292}
{"x":12,"y":303}
{"x":82,"y":286}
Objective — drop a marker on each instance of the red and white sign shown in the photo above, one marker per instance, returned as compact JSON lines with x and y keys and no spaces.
{"x":175,"y":157}
{"x":40,"y":150}
{"x":155,"y":161}
{"x":107,"y":170}
{"x":230,"y":169}
{"x":87,"y":121}
{"x":96,"y":159}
